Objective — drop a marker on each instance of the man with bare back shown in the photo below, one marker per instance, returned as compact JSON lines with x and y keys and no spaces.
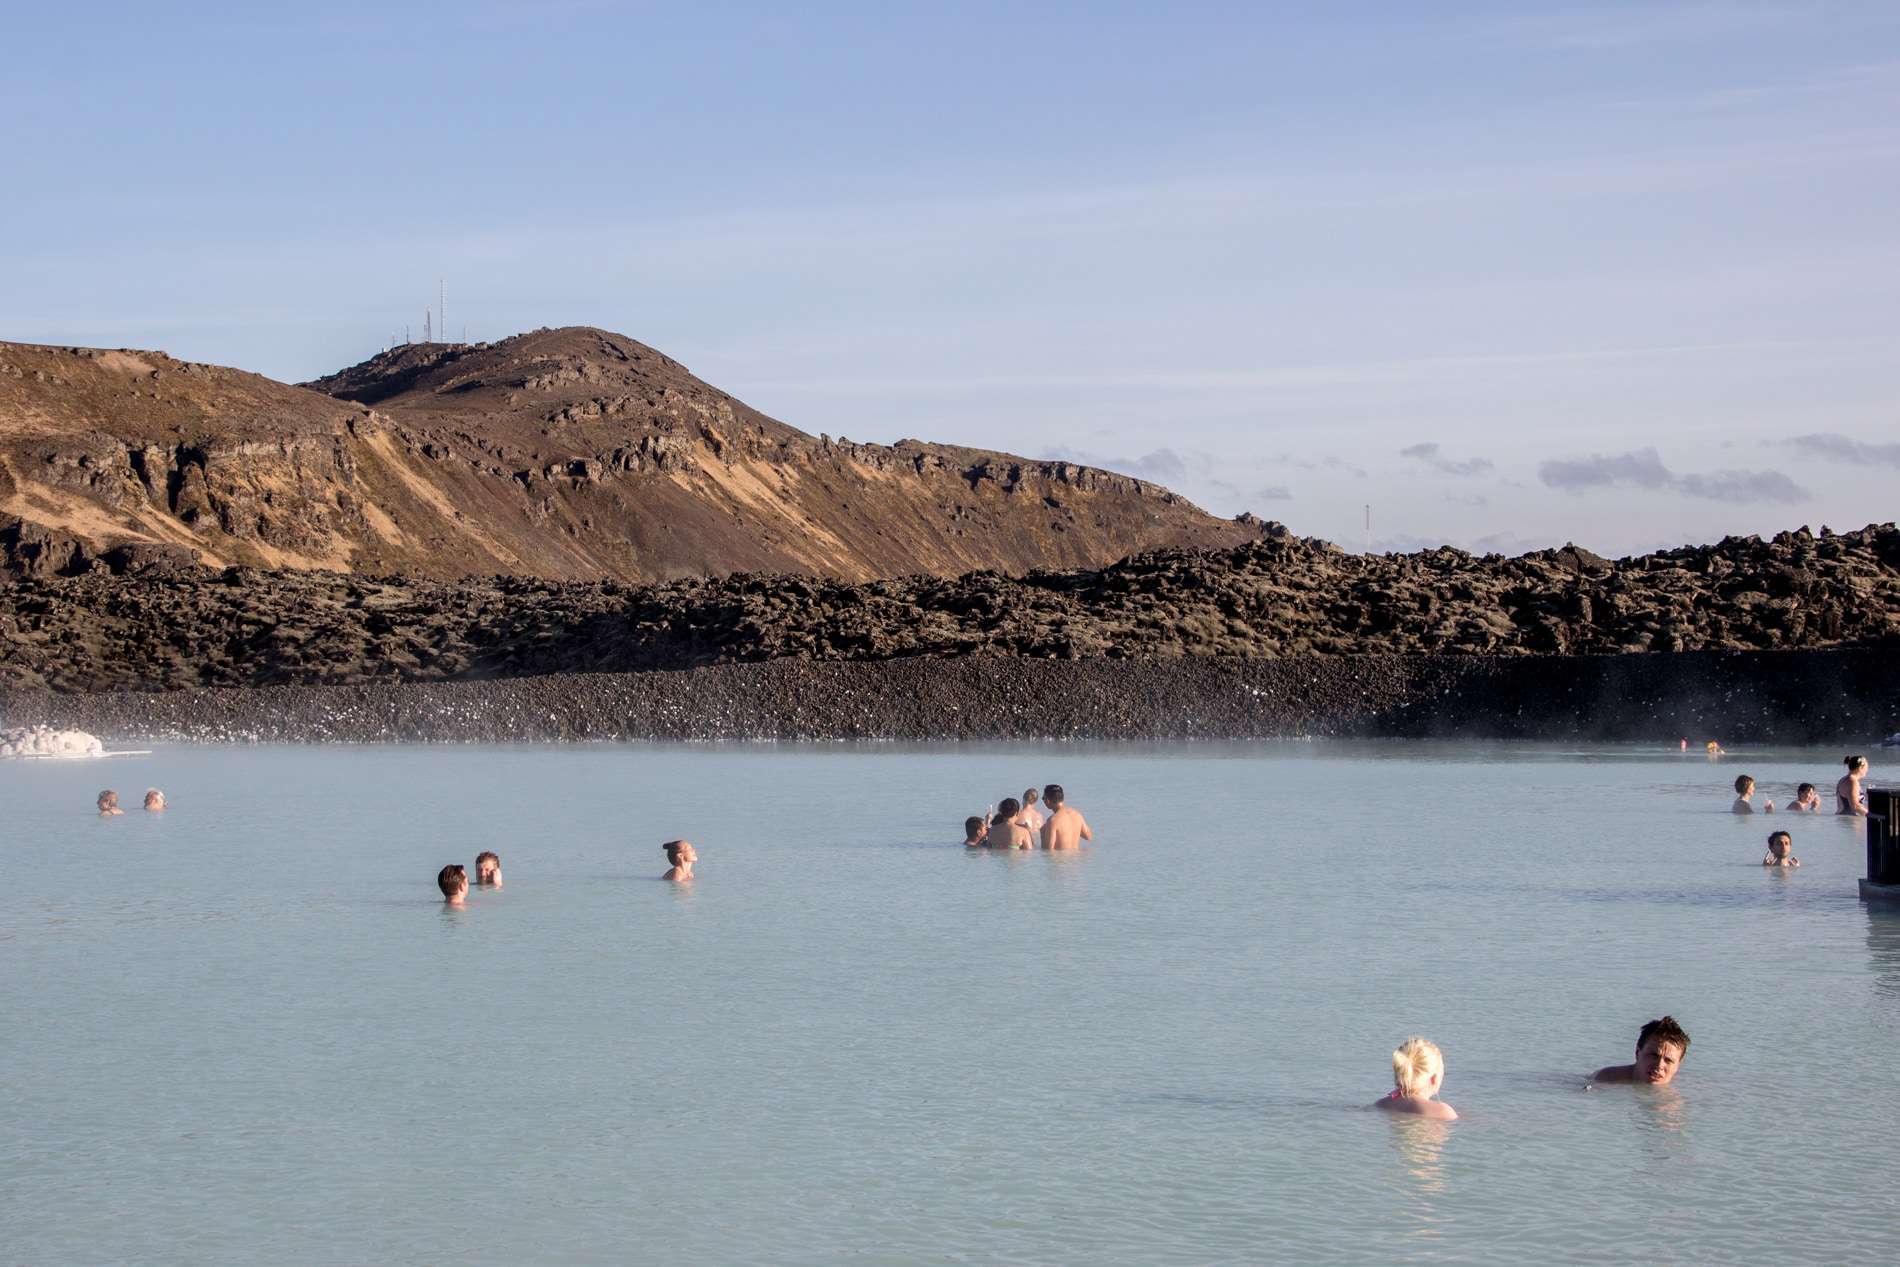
{"x":1066,"y":828}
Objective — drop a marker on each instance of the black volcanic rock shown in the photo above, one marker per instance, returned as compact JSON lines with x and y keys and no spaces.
{"x":159,"y":628}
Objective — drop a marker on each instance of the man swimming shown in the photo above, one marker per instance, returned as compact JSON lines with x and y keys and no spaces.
{"x":1007,"y":830}
{"x":1744,"y":790}
{"x":1066,"y":828}
{"x":154,"y":799}
{"x":1806,"y":799}
{"x":488,"y":869}
{"x":453,"y":881}
{"x":1780,"y":851}
{"x":109,"y":804}
{"x":1660,"y":1047}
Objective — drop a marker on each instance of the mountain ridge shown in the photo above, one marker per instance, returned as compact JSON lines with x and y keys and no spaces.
{"x":565,"y":454}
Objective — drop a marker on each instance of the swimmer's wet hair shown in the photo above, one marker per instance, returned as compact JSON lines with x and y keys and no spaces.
{"x":1742,"y":783}
{"x":1029,"y":796}
{"x":1773,"y":836}
{"x":1052,"y":795}
{"x":451,"y":879}
{"x":1666,"y":1029}
{"x":1852,"y":762}
{"x":1008,"y":808}
{"x":672,"y":851}
{"x":972,"y":827}
{"x":487,"y":855}
{"x":1802,"y":790}
{"x":108,"y":797}
{"x":1413,"y":1065}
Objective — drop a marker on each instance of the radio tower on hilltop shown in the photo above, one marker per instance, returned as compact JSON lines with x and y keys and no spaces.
{"x":442,"y":308}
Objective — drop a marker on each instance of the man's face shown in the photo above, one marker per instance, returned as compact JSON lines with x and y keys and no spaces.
{"x":485,"y":870}
{"x":1657,"y":1061}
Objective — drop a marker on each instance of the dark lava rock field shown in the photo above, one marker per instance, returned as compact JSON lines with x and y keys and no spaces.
{"x":1281,"y":597}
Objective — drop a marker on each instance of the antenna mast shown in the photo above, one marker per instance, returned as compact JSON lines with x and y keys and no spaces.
{"x":442,"y":307}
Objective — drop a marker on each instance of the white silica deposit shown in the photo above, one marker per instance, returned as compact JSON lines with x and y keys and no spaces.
{"x":47,"y":741}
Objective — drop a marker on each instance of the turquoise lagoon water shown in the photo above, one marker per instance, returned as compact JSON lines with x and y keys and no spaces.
{"x":247,"y":1031}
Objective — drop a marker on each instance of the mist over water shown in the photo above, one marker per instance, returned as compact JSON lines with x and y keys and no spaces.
{"x":247,"y":1030}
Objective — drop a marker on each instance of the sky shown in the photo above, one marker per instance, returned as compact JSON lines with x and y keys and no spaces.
{"x":1499,"y":275}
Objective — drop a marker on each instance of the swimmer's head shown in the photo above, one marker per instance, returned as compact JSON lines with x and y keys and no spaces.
{"x":1029,"y":796}
{"x":108,"y":799}
{"x":1743,"y":785}
{"x":679,"y":851}
{"x":1660,"y":1047}
{"x":487,"y":867}
{"x":1779,"y":843}
{"x":972,"y":828}
{"x":452,"y":880}
{"x":154,"y":799}
{"x":1008,"y":809}
{"x":1417,"y":1067}
{"x":1803,"y":792}
{"x":1855,"y":765}
{"x":1052,"y":795}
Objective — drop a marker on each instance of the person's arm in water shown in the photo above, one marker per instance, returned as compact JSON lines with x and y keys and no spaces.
{"x":1086,"y":833}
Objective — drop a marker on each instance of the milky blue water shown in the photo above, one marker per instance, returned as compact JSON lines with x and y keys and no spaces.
{"x":248,"y":1031}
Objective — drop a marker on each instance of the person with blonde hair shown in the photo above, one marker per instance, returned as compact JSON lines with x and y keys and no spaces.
{"x":154,"y":799}
{"x":1418,"y":1070}
{"x":108,"y":803}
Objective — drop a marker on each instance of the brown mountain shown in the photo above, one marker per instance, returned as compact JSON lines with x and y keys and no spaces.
{"x":560,"y":454}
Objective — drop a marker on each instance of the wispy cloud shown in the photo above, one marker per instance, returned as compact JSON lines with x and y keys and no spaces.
{"x":1644,"y":469}
{"x":1839,"y":448}
{"x":1646,"y":26}
{"x":1431,"y":455}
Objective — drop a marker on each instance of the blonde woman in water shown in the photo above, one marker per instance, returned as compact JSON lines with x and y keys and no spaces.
{"x":1418,"y":1070}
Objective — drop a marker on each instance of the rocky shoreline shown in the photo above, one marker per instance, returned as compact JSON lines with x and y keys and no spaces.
{"x":1826,"y":696}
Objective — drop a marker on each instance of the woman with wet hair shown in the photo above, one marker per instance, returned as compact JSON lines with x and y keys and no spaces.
{"x":1849,"y":796}
{"x":488,"y":869}
{"x":109,"y":804}
{"x":682,"y":855}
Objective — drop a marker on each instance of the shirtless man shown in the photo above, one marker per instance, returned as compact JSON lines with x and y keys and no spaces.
{"x":1660,"y":1048}
{"x":1007,"y":830}
{"x":453,"y":881}
{"x":1066,"y":828}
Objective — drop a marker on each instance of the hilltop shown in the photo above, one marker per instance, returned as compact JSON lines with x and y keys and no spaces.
{"x":573,"y":454}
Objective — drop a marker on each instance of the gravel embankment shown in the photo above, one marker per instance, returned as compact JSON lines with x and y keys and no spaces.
{"x":1795,"y":696}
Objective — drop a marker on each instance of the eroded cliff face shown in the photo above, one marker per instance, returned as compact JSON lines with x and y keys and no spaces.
{"x":564,"y":454}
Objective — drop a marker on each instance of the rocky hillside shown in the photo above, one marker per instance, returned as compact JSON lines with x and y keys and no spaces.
{"x":569,"y":454}
{"x":1280,"y":596}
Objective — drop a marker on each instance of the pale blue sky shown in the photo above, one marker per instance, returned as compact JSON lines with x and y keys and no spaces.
{"x":1512,"y":273}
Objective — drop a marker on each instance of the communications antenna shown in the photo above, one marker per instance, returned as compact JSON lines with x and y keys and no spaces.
{"x":442,"y":307}
{"x":428,"y":333}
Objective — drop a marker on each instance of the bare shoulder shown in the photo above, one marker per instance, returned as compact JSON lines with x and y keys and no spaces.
{"x":1614,"y":1073}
